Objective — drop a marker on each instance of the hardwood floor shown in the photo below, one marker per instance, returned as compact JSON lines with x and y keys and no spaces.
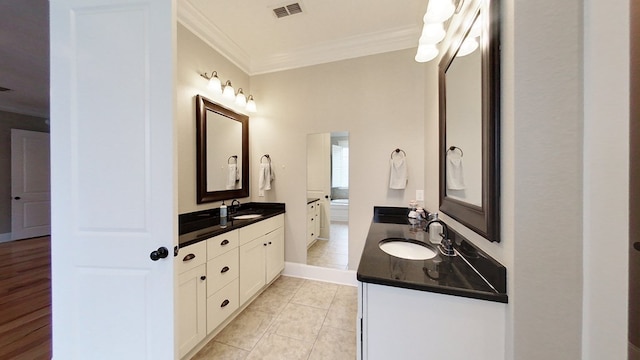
{"x":25,"y":299}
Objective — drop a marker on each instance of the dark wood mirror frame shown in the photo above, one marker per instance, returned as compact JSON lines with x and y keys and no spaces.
{"x":485,"y":219}
{"x":202,"y":106}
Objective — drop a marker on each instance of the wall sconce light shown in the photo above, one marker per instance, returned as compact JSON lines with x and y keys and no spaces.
{"x":228,"y":92}
{"x":214,"y":82}
{"x":251,"y":104}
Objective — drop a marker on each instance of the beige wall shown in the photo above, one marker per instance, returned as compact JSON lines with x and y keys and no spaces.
{"x":8,"y":121}
{"x":376,"y":99}
{"x":194,"y":58}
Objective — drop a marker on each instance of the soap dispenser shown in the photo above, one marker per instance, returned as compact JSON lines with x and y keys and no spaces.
{"x":435,"y":231}
{"x":223,"y":215}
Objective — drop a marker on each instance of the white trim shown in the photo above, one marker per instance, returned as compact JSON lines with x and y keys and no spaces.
{"x":336,"y":276}
{"x":356,"y":46}
{"x":6,"y":237}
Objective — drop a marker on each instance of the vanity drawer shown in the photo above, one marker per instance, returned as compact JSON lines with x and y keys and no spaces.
{"x":220,"y":244}
{"x":258,"y":229}
{"x":190,"y":256}
{"x":222,"y":304}
{"x":222,"y":270}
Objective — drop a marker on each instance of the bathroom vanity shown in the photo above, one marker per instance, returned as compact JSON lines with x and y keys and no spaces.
{"x":222,"y":266}
{"x":438,"y":308}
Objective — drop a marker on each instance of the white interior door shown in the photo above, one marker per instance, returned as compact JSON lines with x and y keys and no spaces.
{"x":113,"y":178}
{"x":30,"y":189}
{"x":319,"y":177}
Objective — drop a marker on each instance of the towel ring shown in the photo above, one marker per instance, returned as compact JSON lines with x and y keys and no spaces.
{"x":234,"y":157}
{"x":265,"y":156}
{"x":397,"y":151}
{"x":453,"y":148}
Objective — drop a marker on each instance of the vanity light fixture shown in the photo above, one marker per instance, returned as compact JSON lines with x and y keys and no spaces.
{"x":467,"y":47}
{"x":432,"y":34}
{"x":241,"y":100}
{"x":426,"y":52}
{"x":438,"y":11}
{"x":251,"y":104}
{"x":228,"y":92}
{"x":214,"y":82}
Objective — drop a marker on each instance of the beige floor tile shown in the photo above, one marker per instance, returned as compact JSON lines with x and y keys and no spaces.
{"x":286,"y":285}
{"x":272,"y":300}
{"x":334,"y":344}
{"x":276,"y":347}
{"x":246,"y":330}
{"x":316,"y":294}
{"x":299,"y":322}
{"x":216,"y":351}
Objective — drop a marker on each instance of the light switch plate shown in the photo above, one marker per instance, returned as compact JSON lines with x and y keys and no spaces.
{"x":420,"y":195}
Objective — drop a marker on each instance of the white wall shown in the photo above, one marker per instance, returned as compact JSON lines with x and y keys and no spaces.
{"x":606,"y":174}
{"x":376,"y":99}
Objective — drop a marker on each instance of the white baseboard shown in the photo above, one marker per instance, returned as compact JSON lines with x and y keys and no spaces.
{"x":343,"y":277}
{"x":5,"y":237}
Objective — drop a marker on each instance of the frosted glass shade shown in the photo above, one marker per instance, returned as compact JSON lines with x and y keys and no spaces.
{"x":214,"y":84}
{"x":438,"y":11}
{"x":426,"y":53}
{"x":468,"y":46}
{"x":432,"y":34}
{"x":228,"y":92}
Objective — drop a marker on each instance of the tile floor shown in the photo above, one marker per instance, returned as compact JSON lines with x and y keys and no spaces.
{"x":332,"y":253}
{"x":292,"y":319}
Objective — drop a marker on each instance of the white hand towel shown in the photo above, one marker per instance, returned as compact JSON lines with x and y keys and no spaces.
{"x":265,"y":178}
{"x":398,"y":173}
{"x":232,"y":176}
{"x":455,"y":173}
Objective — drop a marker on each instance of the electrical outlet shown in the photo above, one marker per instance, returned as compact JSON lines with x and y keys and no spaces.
{"x":420,"y":195}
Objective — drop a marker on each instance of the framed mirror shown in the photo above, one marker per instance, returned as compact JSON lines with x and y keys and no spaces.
{"x":469,"y":99}
{"x":222,"y":152}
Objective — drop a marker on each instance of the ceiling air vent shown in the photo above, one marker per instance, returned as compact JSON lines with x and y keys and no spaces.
{"x":287,"y":10}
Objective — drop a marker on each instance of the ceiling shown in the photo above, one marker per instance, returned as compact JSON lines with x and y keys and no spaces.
{"x":247,"y":32}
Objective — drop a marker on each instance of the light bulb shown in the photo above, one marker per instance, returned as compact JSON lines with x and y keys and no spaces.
{"x":426,"y":53}
{"x":438,"y":11}
{"x":214,"y":83}
{"x":251,"y":104}
{"x":432,"y":34}
{"x":468,"y":46}
{"x":241,"y":100}
{"x":228,"y":92}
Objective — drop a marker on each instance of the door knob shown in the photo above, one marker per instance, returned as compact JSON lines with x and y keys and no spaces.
{"x":636,"y":245}
{"x":161,"y":253}
{"x":17,"y":198}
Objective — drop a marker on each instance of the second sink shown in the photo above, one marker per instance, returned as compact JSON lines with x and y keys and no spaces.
{"x":247,"y":216}
{"x":407,"y":249}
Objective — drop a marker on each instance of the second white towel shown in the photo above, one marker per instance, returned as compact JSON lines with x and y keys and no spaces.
{"x":232,"y":176}
{"x":398,"y":173}
{"x":455,"y":173}
{"x":265,"y":178}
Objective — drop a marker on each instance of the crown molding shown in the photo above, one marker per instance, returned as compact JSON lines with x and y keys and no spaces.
{"x":200,"y":25}
{"x":343,"y":49}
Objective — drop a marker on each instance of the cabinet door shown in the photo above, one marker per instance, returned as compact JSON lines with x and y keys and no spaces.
{"x":275,"y":253}
{"x":252,"y":268}
{"x":192,"y":314}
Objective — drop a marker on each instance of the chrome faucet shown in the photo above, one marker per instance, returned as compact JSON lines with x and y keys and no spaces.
{"x":235,"y":205}
{"x":446,"y":244}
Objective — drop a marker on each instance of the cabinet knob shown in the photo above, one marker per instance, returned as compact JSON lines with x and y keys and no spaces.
{"x":269,"y":242}
{"x":224,"y":242}
{"x":224,"y":270}
{"x":203,"y":277}
{"x":265,"y":244}
{"x":224,"y":303}
{"x":17,"y":198}
{"x":636,"y":245}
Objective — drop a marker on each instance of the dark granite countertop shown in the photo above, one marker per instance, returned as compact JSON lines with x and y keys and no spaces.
{"x":458,"y":275}
{"x":201,"y":225}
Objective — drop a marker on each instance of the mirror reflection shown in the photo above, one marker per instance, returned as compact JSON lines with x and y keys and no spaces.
{"x":224,"y":153}
{"x":328,"y":200}
{"x":464,"y":122}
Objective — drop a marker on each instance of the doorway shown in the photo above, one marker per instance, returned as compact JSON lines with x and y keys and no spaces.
{"x":328,"y":189}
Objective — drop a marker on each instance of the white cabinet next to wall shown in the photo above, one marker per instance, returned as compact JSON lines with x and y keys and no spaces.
{"x":261,"y":255}
{"x":313,"y":222}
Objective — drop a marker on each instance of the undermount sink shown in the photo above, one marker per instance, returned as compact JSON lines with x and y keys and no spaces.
{"x":407,"y":249}
{"x":246,"y":217}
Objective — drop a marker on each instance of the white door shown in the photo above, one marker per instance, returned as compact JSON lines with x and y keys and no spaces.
{"x":31,"y":197}
{"x":319,"y":177}
{"x":113,"y":178}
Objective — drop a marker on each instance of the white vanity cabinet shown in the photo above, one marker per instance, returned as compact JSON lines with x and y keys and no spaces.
{"x":222,"y":278}
{"x":261,"y":255}
{"x":190,"y":266}
{"x":313,"y":222}
{"x":397,"y":323}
